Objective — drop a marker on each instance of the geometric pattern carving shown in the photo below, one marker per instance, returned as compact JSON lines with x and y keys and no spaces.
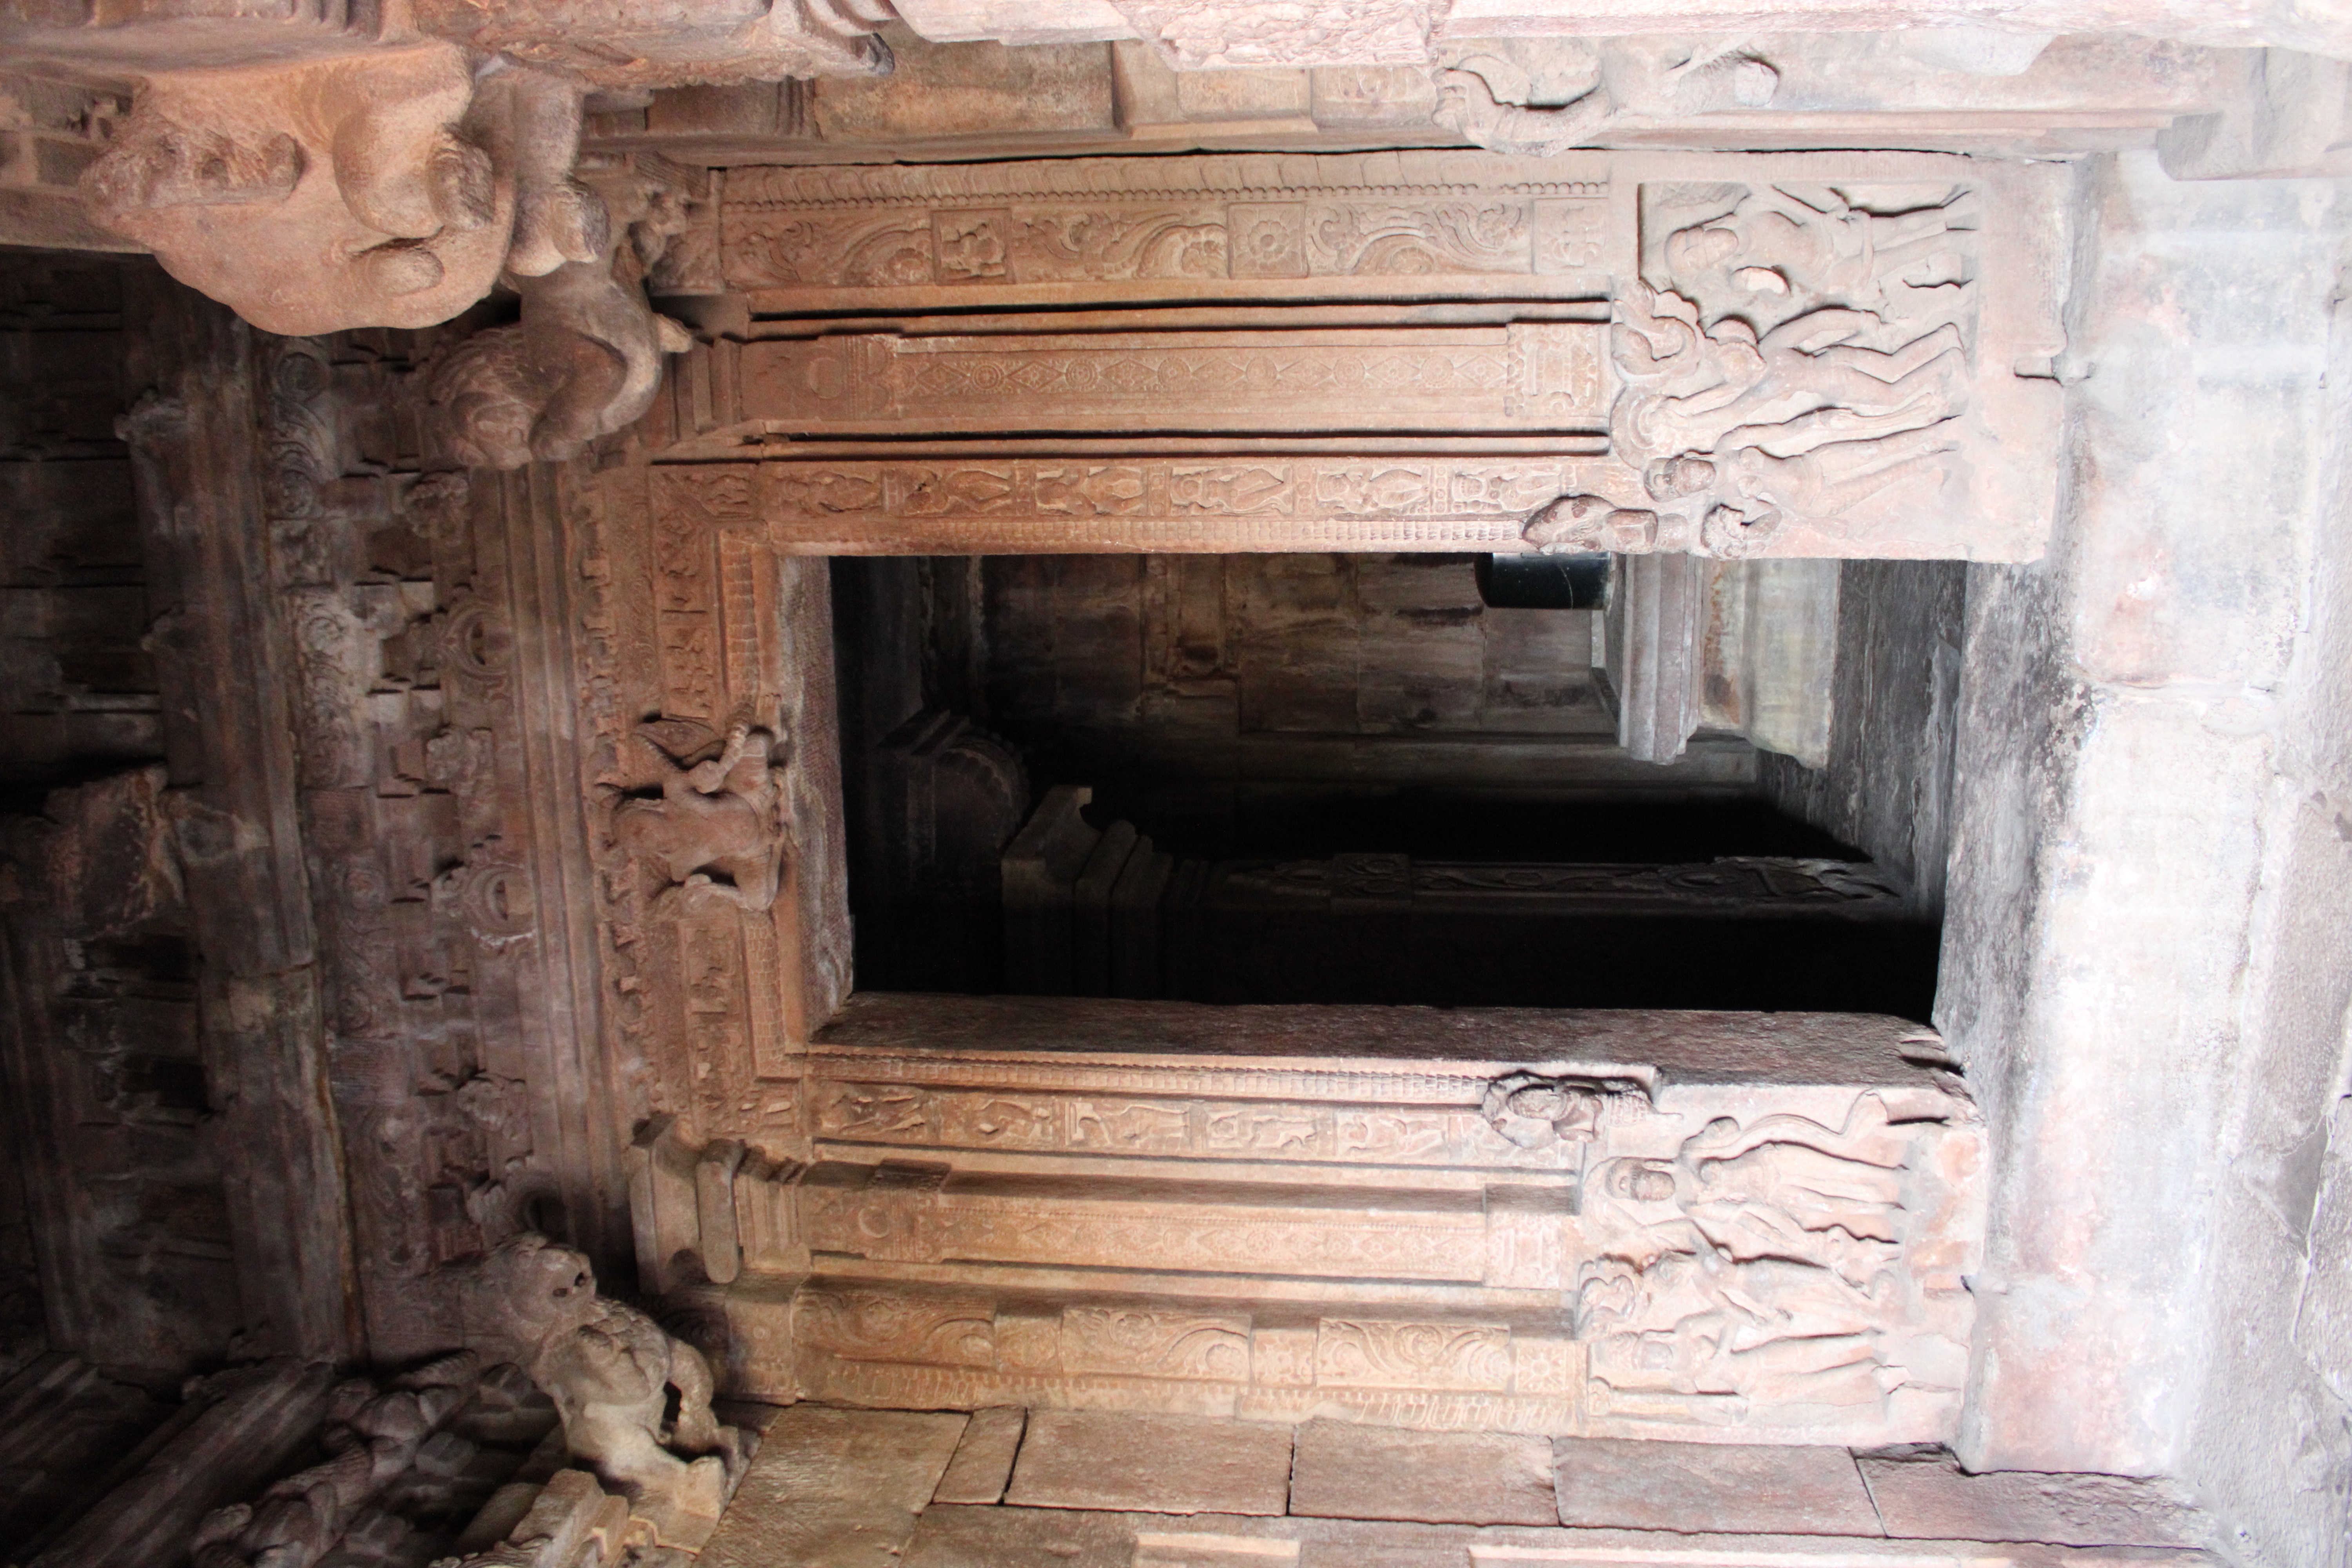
{"x":1161,"y":504}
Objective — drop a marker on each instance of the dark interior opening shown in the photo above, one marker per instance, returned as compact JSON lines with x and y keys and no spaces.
{"x":1331,"y":779}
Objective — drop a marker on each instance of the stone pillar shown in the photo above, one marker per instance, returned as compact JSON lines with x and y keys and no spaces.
{"x":2143,"y":958}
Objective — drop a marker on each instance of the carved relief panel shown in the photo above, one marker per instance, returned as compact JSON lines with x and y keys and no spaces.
{"x":429,"y":853}
{"x":709,"y":772}
{"x":1527,"y":376}
{"x":1260,"y":227}
{"x":1787,"y":354}
{"x":1626,"y":1238}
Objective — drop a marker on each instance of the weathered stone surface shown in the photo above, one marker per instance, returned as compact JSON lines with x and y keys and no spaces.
{"x":1268,"y":1291}
{"x":1700,"y":1487}
{"x":833,"y":1489}
{"x":261,"y":1419}
{"x":951,"y":1537}
{"x":635,"y":1401}
{"x":2141,"y":736}
{"x":1160,"y":1464}
{"x":1057,"y":1537}
{"x":1933,"y":1499}
{"x":984,"y":1460}
{"x":311,"y":196}
{"x":433,"y":1009}
{"x":1342,"y":1471}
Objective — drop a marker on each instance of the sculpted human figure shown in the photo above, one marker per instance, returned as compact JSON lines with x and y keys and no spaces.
{"x":1804,"y":384}
{"x":717,"y":833}
{"x":583,"y":362}
{"x":1775,"y":248}
{"x":611,"y":1370}
{"x":1827,"y":482}
{"x":585,"y":358}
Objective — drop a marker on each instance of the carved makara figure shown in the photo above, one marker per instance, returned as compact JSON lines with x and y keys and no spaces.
{"x":315,"y":195}
{"x":1583,"y":523}
{"x":1491,"y":100}
{"x":612,"y":1372}
{"x":1533,"y":1110}
{"x":716,"y":835}
{"x":1466,"y":105}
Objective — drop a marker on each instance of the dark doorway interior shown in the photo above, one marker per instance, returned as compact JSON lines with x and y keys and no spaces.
{"x":1290,"y":779}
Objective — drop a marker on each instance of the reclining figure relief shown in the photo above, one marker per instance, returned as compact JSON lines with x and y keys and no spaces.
{"x":1796,"y":369}
{"x":612,"y":1371}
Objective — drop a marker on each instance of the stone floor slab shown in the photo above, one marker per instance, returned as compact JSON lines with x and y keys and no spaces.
{"x":835,"y":1488}
{"x":960,"y":1537}
{"x":984,"y":1460}
{"x":1154,"y":1464}
{"x":1639,"y":1484}
{"x":1932,"y":1498}
{"x":1011,"y":1537}
{"x":1342,"y":1471}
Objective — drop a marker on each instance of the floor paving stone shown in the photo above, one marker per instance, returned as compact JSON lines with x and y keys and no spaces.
{"x":833,"y":1489}
{"x":1342,"y":1471}
{"x":1932,"y":1498}
{"x":1642,"y":1484}
{"x":984,"y":1460}
{"x":1155,"y":1464}
{"x":961,"y":1536}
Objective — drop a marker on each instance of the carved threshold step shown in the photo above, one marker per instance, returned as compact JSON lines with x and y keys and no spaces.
{"x":1729,"y":1227}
